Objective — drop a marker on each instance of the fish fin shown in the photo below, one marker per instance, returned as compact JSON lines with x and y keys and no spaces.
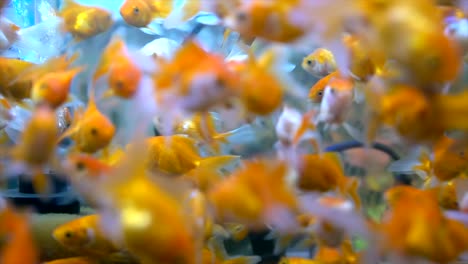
{"x":243,"y":260}
{"x":217,"y":162}
{"x":216,"y":245}
{"x":352,"y":191}
{"x":282,"y":242}
{"x":175,"y":19}
{"x":31,"y":38}
{"x":220,"y":232}
{"x":335,"y":158}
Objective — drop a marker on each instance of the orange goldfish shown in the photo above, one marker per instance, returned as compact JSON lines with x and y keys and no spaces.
{"x":75,"y":260}
{"x":123,"y":74}
{"x":85,"y":236}
{"x":135,"y":209}
{"x":319,"y":63}
{"x":328,"y":255}
{"x":140,"y":13}
{"x":252,"y":92}
{"x":178,"y":154}
{"x":317,"y":90}
{"x":53,"y":88}
{"x":256,"y":201}
{"x":194,"y":86}
{"x":447,"y":162}
{"x":11,"y":69}
{"x":202,"y":128}
{"x":90,"y":129}
{"x":36,"y":145}
{"x":324,"y":173}
{"x":20,"y":244}
{"x":361,"y":64}
{"x":425,"y":232}
{"x":84,"y":22}
{"x":265,"y":19}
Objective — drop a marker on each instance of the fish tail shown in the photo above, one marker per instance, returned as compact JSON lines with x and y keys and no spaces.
{"x":352,"y":191}
{"x":41,"y":182}
{"x":217,"y":162}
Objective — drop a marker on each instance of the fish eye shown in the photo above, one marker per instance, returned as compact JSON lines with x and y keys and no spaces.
{"x":228,"y":105}
{"x":136,"y":10}
{"x":320,"y":93}
{"x":462,"y":154}
{"x":94,"y":131}
{"x":119,"y":85}
{"x":241,"y":16}
{"x":220,"y":82}
{"x":310,"y":62}
{"x":80,"y":166}
{"x":68,"y":234}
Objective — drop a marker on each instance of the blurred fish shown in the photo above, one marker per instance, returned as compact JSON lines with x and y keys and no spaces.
{"x":324,"y":173}
{"x":412,"y":234}
{"x":209,"y":257}
{"x":122,"y":72}
{"x":84,"y":22}
{"x":161,"y":47}
{"x":20,"y":243}
{"x":85,"y":237}
{"x":256,"y":200}
{"x":266,"y":19}
{"x":36,"y":146}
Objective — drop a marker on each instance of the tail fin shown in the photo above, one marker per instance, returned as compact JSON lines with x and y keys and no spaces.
{"x":352,"y":191}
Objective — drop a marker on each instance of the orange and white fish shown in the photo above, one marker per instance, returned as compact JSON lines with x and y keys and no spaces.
{"x":74,"y":260}
{"x":317,"y":90}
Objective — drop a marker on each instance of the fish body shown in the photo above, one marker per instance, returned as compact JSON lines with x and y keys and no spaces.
{"x":319,"y":63}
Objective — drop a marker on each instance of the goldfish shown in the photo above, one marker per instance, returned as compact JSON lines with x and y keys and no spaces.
{"x":54,"y":88}
{"x":8,"y":33}
{"x":90,"y":129}
{"x":361,"y":63}
{"x":201,"y":127}
{"x":137,"y":209}
{"x":413,"y":234}
{"x":250,"y":200}
{"x":336,"y":101}
{"x":252,"y":92}
{"x":20,"y":243}
{"x":84,"y":22}
{"x":319,"y":63}
{"x":323,"y":173}
{"x":75,"y":260}
{"x":317,"y":90}
{"x":447,"y":161}
{"x":236,"y":231}
{"x":265,"y":19}
{"x":36,"y":146}
{"x":123,"y":74}
{"x":84,"y":235}
{"x":10,"y":70}
{"x":194,"y":87}
{"x":140,"y":13}
{"x":178,"y":154}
